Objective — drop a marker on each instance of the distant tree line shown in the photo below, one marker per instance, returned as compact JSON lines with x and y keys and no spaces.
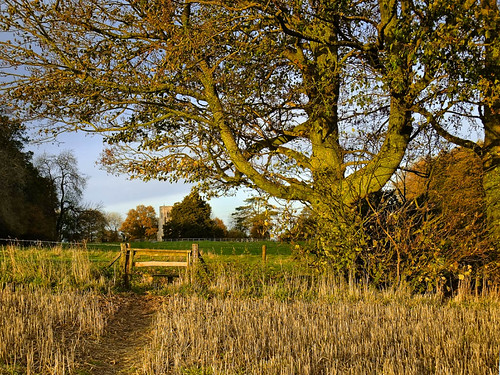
{"x":192,"y":218}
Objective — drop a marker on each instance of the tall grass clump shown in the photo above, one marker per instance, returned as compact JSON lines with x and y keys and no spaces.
{"x":373,"y":333}
{"x":56,"y":268}
{"x":42,"y":332}
{"x":50,"y":305}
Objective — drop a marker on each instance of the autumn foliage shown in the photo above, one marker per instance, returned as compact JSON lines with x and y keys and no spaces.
{"x":141,"y":223}
{"x":432,"y":229}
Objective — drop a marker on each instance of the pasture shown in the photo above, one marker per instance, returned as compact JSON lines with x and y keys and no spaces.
{"x":64,"y":311}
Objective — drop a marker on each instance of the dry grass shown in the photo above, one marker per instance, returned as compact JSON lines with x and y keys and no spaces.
{"x":54,"y":268}
{"x":41,"y":332}
{"x":324,"y":327}
{"x":45,"y":317}
{"x":240,"y":319}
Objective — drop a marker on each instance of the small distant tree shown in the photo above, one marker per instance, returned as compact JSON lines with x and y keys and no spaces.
{"x":219,"y":228}
{"x":239,"y":221}
{"x":91,"y":225}
{"x":113,"y":223}
{"x":141,"y":223}
{"x":235,"y":233}
{"x":62,"y":171}
{"x":255,"y":218}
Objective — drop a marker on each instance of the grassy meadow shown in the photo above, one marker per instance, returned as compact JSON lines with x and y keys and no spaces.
{"x":234,"y":315}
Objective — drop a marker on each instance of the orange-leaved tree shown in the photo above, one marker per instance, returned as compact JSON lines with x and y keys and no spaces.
{"x":141,"y":223}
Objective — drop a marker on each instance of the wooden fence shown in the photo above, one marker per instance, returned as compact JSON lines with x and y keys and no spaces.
{"x":130,"y":258}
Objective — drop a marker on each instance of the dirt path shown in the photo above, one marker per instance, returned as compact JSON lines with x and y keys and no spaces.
{"x":119,"y":351}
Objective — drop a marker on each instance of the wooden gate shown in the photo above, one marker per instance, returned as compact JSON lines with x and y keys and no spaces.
{"x":130,"y":258}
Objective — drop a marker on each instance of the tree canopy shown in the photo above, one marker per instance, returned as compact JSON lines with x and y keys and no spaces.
{"x":141,"y":223}
{"x":191,"y":219}
{"x":28,"y":200}
{"x":315,"y":101}
{"x":262,"y":94}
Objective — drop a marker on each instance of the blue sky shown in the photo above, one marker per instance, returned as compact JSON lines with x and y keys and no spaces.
{"x":118,"y":193}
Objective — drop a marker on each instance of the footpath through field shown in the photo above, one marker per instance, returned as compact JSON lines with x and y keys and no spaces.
{"x":119,"y":350}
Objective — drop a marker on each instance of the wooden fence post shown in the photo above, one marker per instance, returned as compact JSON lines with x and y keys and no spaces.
{"x":195,"y":253}
{"x":130,"y":263}
{"x":123,"y":263}
{"x":264,"y":248}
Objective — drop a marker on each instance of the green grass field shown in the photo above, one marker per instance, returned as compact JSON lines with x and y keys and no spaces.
{"x":214,"y":247}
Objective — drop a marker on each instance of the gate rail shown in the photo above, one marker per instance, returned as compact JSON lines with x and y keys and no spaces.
{"x":128,"y":259}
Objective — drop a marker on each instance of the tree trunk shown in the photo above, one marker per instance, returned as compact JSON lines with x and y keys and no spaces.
{"x":491,"y":179}
{"x":339,"y":236}
{"x":491,"y":119}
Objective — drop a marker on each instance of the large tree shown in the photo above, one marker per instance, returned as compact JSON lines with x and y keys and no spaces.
{"x":490,"y":105}
{"x":305,"y":100}
{"x":27,"y":200}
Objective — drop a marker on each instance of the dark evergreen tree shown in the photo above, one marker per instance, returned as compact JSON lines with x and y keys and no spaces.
{"x":28,"y":200}
{"x":190,"y":219}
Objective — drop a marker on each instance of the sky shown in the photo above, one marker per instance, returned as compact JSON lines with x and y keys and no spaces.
{"x":119,"y":193}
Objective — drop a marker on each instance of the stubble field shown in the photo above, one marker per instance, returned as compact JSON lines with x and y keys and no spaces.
{"x":62,"y":311}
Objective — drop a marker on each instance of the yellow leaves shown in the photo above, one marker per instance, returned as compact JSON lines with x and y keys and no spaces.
{"x":465,"y":272}
{"x":11,"y":10}
{"x":140,"y":223}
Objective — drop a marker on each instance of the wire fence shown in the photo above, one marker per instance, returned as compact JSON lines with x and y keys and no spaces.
{"x":84,"y":244}
{"x":49,"y":244}
{"x":37,"y":243}
{"x":215,"y":239}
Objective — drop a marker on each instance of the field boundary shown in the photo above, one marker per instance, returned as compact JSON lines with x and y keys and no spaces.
{"x":129,"y":255}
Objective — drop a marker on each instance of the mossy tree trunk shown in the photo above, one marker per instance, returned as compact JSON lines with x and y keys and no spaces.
{"x":491,"y":118}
